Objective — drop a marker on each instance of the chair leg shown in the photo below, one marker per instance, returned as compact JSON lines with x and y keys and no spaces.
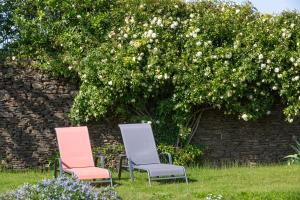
{"x":131,"y":170}
{"x":111,"y":181}
{"x":186,"y":178}
{"x":120,"y":168}
{"x":149,"y":178}
{"x":55,"y":169}
{"x":60,"y":168}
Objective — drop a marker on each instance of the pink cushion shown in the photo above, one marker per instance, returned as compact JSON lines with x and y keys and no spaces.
{"x":89,"y":173}
{"x":74,"y":147}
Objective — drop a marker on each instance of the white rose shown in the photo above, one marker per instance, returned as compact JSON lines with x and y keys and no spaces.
{"x":166,"y":76}
{"x":159,"y":76}
{"x":125,"y":35}
{"x":296,"y":78}
{"x":198,"y":43}
{"x":276,"y":70}
{"x":245,"y":117}
{"x":199,"y":54}
{"x":292,"y":25}
{"x":110,"y":83}
{"x":292,"y":59}
{"x":153,"y":35}
{"x":262,"y":66}
{"x":268,"y":112}
{"x":229,"y":55}
{"x":274,"y":88}
{"x":260,"y":57}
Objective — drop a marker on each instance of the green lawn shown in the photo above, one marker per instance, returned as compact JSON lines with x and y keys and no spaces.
{"x":264,"y":182}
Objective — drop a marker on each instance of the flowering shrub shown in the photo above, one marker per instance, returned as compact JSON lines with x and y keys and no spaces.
{"x":62,"y":188}
{"x":166,"y":61}
{"x":111,"y":152}
{"x":188,"y":156}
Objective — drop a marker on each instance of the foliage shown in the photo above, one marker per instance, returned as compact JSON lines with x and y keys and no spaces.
{"x":60,"y":188}
{"x":187,"y":156}
{"x":7,"y":28}
{"x":294,"y":158}
{"x":166,"y":61}
{"x":8,"y":31}
{"x":110,"y":152}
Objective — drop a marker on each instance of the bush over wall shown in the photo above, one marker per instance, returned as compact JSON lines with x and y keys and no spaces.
{"x":166,"y":61}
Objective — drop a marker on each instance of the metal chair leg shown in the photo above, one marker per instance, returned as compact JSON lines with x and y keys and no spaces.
{"x":120,"y":168}
{"x":130,"y":170}
{"x":186,"y":178}
{"x":149,"y":178}
{"x":60,"y":168}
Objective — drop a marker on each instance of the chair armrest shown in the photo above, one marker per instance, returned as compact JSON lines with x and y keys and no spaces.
{"x":168,"y":156}
{"x":101,"y":158}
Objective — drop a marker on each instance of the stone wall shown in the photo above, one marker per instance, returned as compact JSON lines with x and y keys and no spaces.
{"x":33,"y":103}
{"x":266,"y":140}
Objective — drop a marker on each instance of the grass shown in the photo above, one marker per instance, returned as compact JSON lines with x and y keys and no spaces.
{"x":253,"y":183}
{"x":265,"y":182}
{"x":10,"y":180}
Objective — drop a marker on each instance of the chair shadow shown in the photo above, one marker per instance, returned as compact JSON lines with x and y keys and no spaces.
{"x":142,"y":176}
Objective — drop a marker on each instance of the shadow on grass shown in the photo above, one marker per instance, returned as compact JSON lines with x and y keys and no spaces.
{"x":142,"y":178}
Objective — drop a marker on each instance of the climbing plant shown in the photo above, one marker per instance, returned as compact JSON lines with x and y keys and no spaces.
{"x":166,"y":61}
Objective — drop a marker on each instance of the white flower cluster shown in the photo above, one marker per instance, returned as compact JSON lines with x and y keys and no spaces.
{"x":245,"y":117}
{"x":174,"y":24}
{"x":286,"y":34}
{"x":157,"y":21}
{"x":193,"y":33}
{"x":150,"y":34}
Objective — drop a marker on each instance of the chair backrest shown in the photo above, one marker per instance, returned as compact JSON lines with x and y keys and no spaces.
{"x":139,"y":143}
{"x":74,"y":147}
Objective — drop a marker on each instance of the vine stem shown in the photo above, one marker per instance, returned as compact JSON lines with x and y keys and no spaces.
{"x":195,"y":124}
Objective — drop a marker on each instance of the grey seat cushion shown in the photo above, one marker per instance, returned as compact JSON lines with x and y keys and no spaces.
{"x":162,"y":169}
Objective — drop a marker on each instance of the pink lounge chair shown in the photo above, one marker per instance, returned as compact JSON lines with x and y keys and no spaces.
{"x":76,"y":155}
